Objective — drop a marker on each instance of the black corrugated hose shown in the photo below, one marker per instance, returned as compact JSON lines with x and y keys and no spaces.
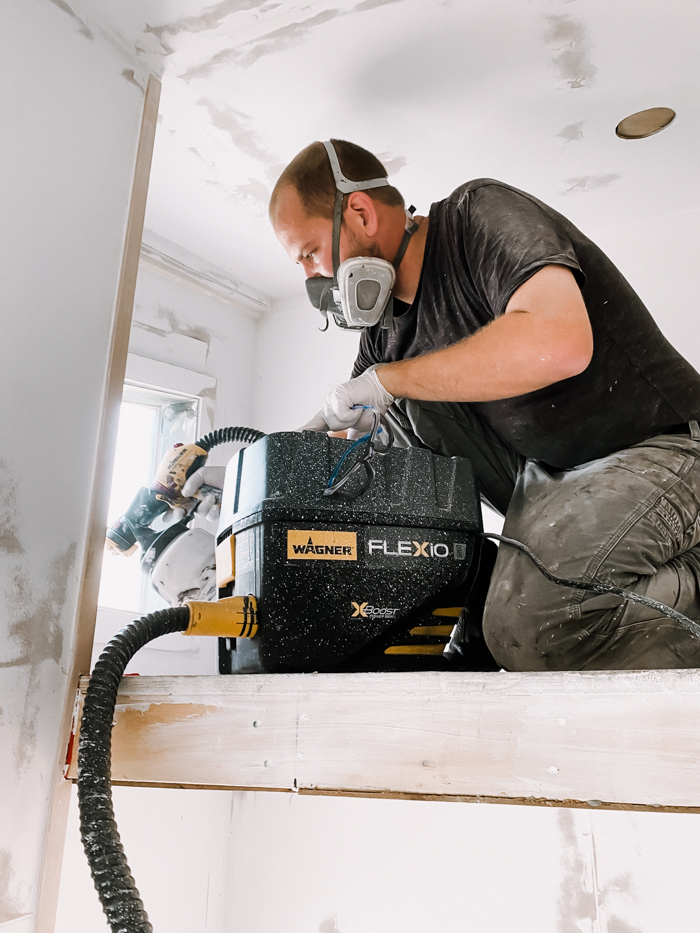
{"x":115,"y":885}
{"x":229,"y":436}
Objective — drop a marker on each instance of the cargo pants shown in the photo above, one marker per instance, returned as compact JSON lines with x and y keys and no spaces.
{"x":630,"y":519}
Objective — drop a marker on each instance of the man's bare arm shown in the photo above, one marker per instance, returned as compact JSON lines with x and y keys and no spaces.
{"x":543,"y":337}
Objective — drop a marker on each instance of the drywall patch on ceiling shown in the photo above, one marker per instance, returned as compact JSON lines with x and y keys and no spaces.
{"x":286,"y":37}
{"x":618,"y":925}
{"x":572,"y":132}
{"x":207,"y":21}
{"x":211,"y":18}
{"x":492,"y":75}
{"x":128,"y":75}
{"x":238,"y":126}
{"x":83,"y":28}
{"x":195,"y":151}
{"x":255,"y":190}
{"x":372,"y":5}
{"x":330,"y":925}
{"x":589,"y":182}
{"x":393,"y":164}
{"x":270,"y":43}
{"x":568,"y":37}
{"x":224,"y":57}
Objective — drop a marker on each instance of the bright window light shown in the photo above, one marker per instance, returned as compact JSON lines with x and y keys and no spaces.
{"x":150,"y":422}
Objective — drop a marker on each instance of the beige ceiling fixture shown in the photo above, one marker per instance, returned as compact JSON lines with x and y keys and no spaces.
{"x":645,"y":123}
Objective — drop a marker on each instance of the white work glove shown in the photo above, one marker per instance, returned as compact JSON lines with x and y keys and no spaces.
{"x":206,"y":476}
{"x":350,"y":405}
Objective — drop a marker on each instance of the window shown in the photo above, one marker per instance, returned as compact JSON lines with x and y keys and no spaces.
{"x":150,"y":422}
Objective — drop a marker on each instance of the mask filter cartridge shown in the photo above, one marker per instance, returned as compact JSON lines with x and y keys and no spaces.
{"x":365,"y":286}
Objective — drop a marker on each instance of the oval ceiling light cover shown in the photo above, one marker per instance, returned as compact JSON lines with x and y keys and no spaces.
{"x":645,"y":123}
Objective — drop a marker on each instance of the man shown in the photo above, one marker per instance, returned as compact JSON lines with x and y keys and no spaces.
{"x":516,"y":343}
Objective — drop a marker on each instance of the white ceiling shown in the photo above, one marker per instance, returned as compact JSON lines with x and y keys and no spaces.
{"x":527,"y":91}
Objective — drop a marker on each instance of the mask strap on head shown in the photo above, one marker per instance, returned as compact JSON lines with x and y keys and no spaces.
{"x":411,"y":227}
{"x":344,"y":186}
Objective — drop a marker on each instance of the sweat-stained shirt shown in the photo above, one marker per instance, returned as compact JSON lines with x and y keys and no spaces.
{"x":483,"y":242}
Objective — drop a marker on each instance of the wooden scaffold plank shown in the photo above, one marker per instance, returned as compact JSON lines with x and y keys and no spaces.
{"x":620,"y":739}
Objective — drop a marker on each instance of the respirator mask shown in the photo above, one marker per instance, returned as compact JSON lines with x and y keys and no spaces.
{"x":359,"y":294}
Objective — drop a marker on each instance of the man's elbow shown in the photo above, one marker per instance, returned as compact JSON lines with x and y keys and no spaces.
{"x":575,"y":357}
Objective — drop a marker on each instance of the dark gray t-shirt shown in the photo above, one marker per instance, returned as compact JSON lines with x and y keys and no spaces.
{"x":483,"y":242}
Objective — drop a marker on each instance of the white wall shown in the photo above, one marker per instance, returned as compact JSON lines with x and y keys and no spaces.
{"x":176,"y":844}
{"x":176,"y":841}
{"x":296,"y":364}
{"x":67,"y":168}
{"x":335,"y":865}
{"x":178,"y":324}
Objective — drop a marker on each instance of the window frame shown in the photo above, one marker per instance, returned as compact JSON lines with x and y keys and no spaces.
{"x":158,"y":376}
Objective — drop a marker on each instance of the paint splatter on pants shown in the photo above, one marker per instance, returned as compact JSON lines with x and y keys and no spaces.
{"x":630,"y":519}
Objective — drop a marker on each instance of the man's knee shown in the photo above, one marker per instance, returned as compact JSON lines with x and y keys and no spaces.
{"x":517,"y":627}
{"x":531,"y":624}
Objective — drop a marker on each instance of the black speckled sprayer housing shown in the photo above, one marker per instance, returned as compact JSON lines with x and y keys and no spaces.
{"x":338,"y":582}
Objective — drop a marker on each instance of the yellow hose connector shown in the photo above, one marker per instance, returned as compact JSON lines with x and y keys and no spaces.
{"x":232,"y":617}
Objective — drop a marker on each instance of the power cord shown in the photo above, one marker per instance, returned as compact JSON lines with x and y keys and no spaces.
{"x":595,"y":586}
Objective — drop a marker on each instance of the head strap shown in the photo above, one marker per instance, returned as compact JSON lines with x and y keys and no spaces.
{"x":344,"y":186}
{"x":411,"y":227}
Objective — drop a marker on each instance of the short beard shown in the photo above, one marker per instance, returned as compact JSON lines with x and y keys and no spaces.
{"x":359,"y":249}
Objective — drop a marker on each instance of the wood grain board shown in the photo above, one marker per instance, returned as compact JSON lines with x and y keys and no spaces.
{"x":622,"y":739}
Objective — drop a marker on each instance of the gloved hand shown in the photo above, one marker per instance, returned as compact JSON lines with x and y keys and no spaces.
{"x":350,"y":405}
{"x":206,"y":476}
